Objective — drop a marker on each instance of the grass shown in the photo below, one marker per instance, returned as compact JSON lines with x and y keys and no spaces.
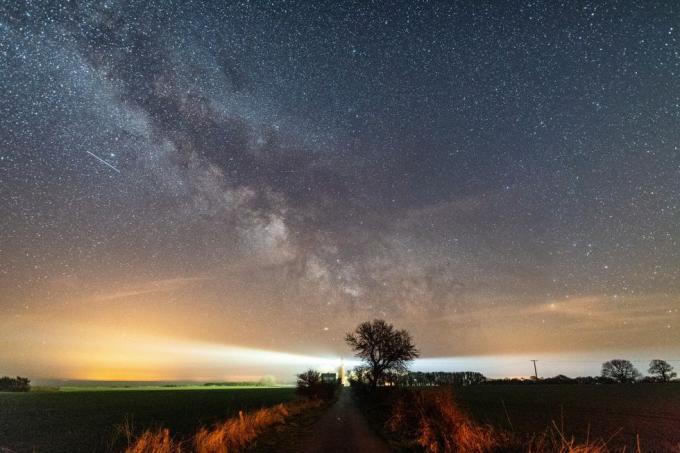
{"x":290,"y":435}
{"x":234,"y":434}
{"x":85,"y":420}
{"x":620,"y":412}
{"x":539,"y":418}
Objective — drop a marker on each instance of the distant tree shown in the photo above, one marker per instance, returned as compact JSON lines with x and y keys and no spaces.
{"x":620,"y":370}
{"x":17,"y":384}
{"x":382,"y":348}
{"x":439,"y":378}
{"x":268,"y":381}
{"x":359,"y":375}
{"x":661,"y":370}
{"x":308,"y":379}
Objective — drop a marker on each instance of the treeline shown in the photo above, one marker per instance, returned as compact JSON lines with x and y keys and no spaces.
{"x":559,"y":379}
{"x":562,"y":379}
{"x":615,"y":371}
{"x":17,"y":384}
{"x":437,"y":378}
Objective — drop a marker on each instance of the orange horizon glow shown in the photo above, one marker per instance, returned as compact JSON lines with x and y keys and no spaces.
{"x":96,"y":353}
{"x":144,"y":338}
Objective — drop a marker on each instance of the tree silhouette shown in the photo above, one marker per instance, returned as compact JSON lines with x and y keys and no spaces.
{"x":18,"y":384}
{"x":620,"y":370}
{"x":310,"y":385}
{"x":662,"y":370}
{"x":309,"y":378}
{"x":383,"y":349}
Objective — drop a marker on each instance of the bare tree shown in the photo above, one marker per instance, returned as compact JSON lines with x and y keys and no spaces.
{"x":310,"y":384}
{"x":662,"y":370}
{"x":309,"y":378}
{"x":383,"y":348}
{"x":620,"y":370}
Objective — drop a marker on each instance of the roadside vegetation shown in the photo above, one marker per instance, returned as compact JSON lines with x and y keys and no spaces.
{"x":233,"y":434}
{"x":239,"y":432}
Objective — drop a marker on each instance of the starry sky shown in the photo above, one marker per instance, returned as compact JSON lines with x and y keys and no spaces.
{"x":501,"y":180}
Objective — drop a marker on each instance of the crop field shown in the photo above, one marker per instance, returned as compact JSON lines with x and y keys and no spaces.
{"x":87,"y":419}
{"x":620,"y":412}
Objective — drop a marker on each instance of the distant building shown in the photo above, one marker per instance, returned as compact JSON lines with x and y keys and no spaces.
{"x":329,"y":378}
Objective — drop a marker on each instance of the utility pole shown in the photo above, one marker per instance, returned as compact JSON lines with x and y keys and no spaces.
{"x":535,"y":369}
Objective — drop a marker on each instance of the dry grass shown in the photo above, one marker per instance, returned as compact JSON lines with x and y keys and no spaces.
{"x":432,"y":420}
{"x":236,"y":433}
{"x":437,"y":424}
{"x":232,"y":435}
{"x":554,"y":440}
{"x":155,"y":442}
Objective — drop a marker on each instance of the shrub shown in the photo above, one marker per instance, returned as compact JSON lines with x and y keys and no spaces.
{"x":310,"y":385}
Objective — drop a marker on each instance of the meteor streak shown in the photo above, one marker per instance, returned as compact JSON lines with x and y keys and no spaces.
{"x":103,"y":161}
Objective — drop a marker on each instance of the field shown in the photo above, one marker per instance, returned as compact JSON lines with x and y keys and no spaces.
{"x":85,"y":419}
{"x":617,"y":411}
{"x":81,"y":419}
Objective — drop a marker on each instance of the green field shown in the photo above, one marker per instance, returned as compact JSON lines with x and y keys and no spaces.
{"x":84,"y":419}
{"x":650,"y":410}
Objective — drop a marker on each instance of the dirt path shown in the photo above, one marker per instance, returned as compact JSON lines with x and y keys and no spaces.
{"x":343,"y":429}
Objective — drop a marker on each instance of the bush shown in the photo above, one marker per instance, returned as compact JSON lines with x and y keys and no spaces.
{"x":18,"y":384}
{"x":310,"y":385}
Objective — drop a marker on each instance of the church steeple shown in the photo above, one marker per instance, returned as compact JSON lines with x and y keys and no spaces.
{"x":341,"y":372}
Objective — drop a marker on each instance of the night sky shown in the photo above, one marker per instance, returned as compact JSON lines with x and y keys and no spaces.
{"x":498,"y":179}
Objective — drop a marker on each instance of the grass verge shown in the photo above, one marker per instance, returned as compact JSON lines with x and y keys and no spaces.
{"x":430,"y":420}
{"x":234,"y":434}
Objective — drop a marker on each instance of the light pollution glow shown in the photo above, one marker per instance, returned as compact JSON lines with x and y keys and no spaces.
{"x":96,"y":353}
{"x":162,"y":330}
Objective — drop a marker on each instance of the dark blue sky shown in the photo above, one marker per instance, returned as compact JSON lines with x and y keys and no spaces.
{"x":467,"y":169}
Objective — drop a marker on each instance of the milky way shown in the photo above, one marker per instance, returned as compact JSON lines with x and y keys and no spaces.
{"x":497,"y":179}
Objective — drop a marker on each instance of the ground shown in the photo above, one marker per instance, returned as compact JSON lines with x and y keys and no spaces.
{"x":617,"y":411}
{"x":343,"y":428}
{"x":84,"y":420}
